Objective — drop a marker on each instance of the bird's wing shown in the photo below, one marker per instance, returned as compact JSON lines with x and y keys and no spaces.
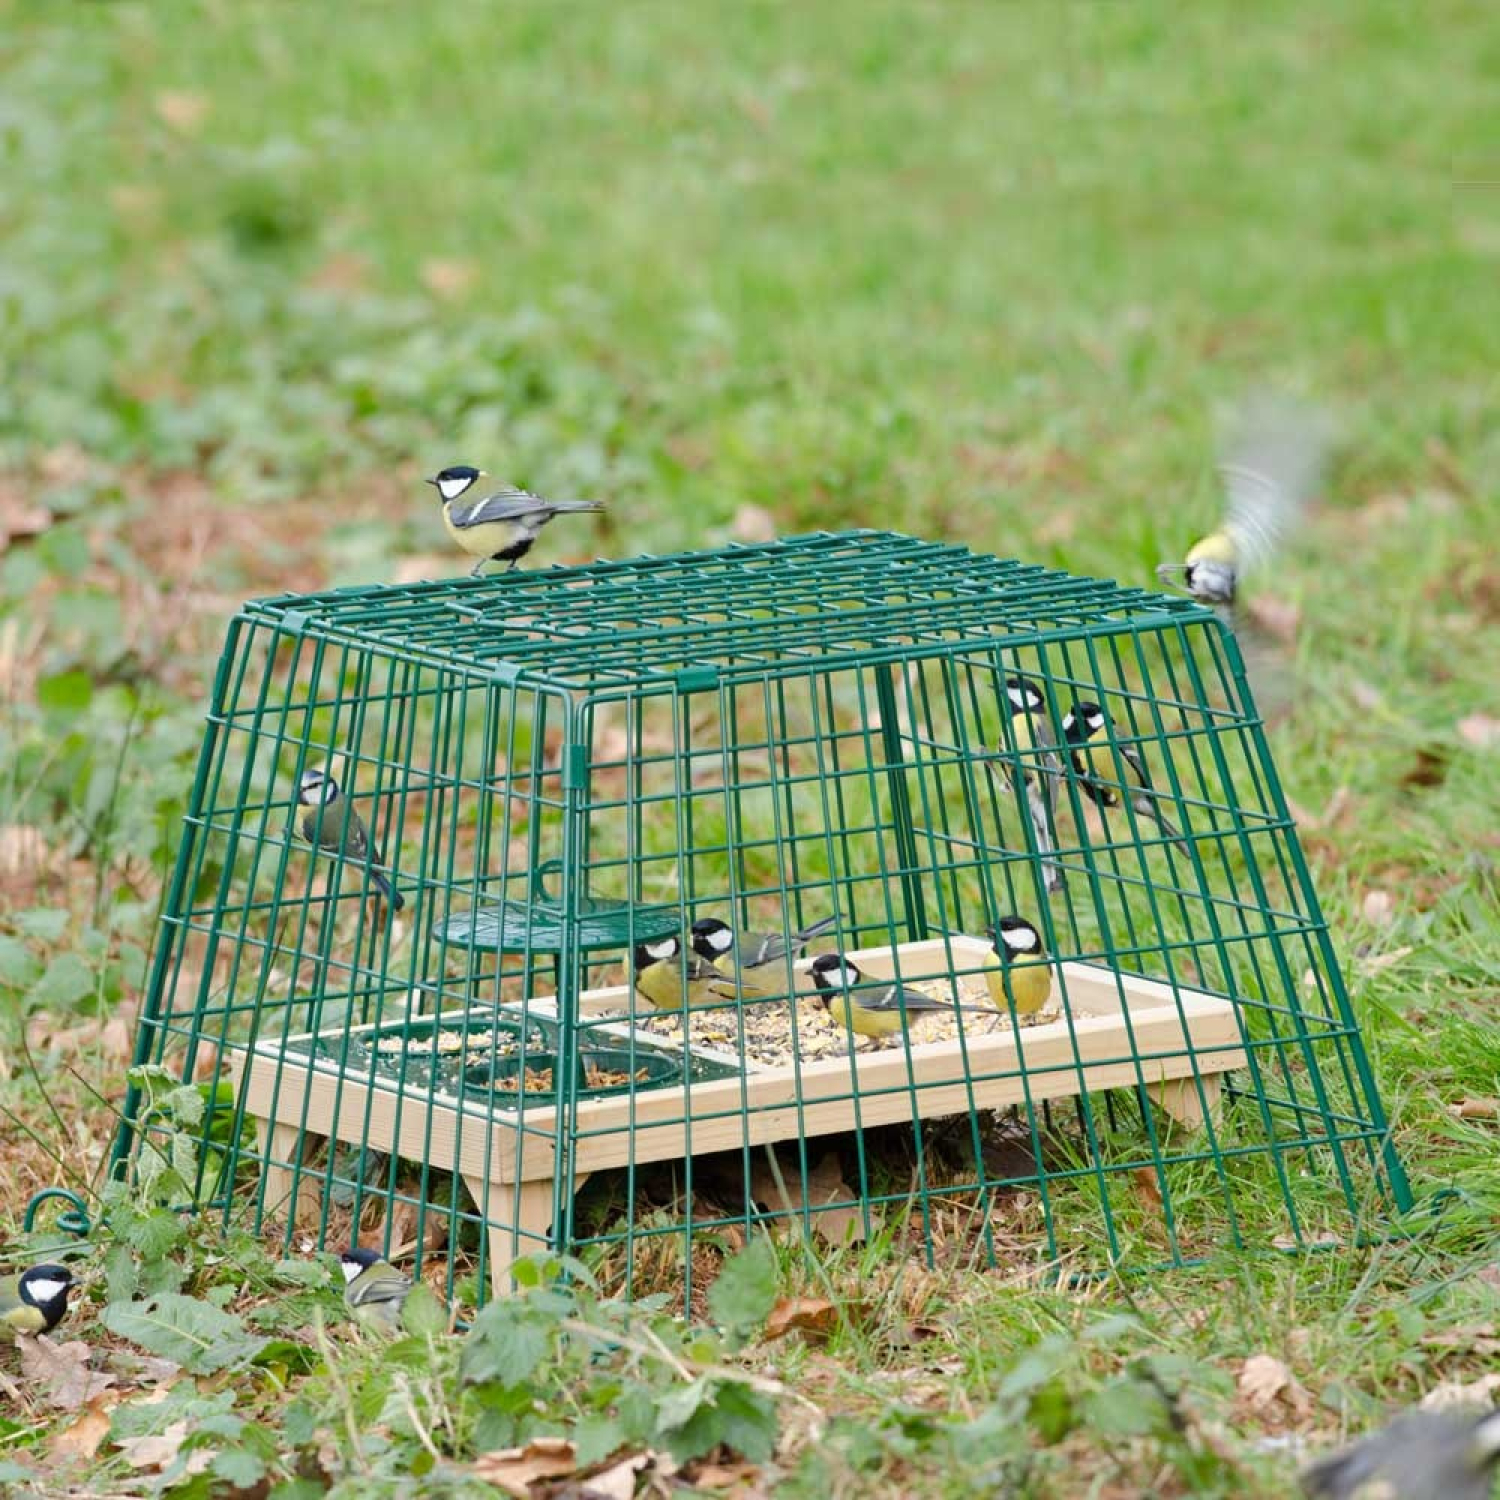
{"x":1270,"y":472}
{"x":509,"y":504}
{"x":375,"y":1287}
{"x":1048,"y":760}
{"x":894,"y":997}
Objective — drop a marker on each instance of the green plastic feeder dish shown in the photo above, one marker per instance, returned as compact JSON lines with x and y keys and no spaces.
{"x":640,"y":1070}
{"x":536,"y":924}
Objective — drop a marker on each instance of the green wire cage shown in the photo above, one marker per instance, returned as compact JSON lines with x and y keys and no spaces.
{"x":427,"y":1037}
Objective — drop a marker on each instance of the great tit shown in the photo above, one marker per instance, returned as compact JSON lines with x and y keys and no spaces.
{"x":667,"y":976}
{"x":1420,"y":1456}
{"x":1093,"y":764}
{"x":1040,"y":767}
{"x":499,"y":526}
{"x":35,"y":1301}
{"x":1018,"y":969}
{"x":1269,"y":474}
{"x":760,"y":961}
{"x":335,"y":826}
{"x":374,"y":1290}
{"x":880,"y":1010}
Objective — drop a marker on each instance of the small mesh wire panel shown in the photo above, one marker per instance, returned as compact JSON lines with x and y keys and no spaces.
{"x":557,"y":770}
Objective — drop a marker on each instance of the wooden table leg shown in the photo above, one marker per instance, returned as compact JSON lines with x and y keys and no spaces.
{"x":530,"y":1229}
{"x":1180,"y":1098}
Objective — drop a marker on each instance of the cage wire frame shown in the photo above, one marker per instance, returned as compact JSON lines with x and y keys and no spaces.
{"x":555,"y":767}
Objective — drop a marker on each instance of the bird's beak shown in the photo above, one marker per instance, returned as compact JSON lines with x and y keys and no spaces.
{"x":432,"y":482}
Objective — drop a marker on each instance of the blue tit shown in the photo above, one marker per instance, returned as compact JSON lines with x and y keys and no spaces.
{"x":760,"y":961}
{"x":1094,"y":765}
{"x":1273,"y":467}
{"x":374,"y":1290}
{"x":869,"y":1007}
{"x":1017,"y":969}
{"x":670,"y":977}
{"x":1422,"y":1455}
{"x":334,"y":826}
{"x":1040,"y":764}
{"x":500,"y":526}
{"x":35,"y":1301}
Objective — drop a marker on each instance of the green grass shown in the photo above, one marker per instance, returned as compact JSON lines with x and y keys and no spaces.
{"x":989,"y":273}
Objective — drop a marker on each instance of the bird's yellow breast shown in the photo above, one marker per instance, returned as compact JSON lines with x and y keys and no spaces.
{"x":484,"y":540}
{"x":1028,"y":982}
{"x":861,"y":1019}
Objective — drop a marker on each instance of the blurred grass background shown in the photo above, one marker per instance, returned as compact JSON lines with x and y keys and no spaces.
{"x":990,"y":273}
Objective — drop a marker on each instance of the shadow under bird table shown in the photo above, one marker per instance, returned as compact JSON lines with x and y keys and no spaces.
{"x":561,"y":769}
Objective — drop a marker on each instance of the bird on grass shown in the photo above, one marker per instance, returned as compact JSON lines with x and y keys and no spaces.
{"x":374,"y":1290}
{"x":1093,"y":764}
{"x":670,"y":977}
{"x":1040,"y":764}
{"x":760,"y":961}
{"x":1271,"y":471}
{"x":34,"y":1301}
{"x":333,"y":825}
{"x":1017,"y":970}
{"x":500,"y":526}
{"x":1423,"y":1455}
{"x":880,"y":1010}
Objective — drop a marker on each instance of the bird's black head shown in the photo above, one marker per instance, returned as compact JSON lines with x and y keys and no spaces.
{"x":1082,"y":720}
{"x":45,"y":1288}
{"x":316,"y":788}
{"x":451,"y":482}
{"x":1025,"y":696}
{"x":355,"y":1259}
{"x":832,"y":971}
{"x":712,"y":938}
{"x":1015,"y":937}
{"x":661,"y":950}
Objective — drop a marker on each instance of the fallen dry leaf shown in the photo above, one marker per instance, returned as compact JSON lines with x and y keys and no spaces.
{"x":1373,"y":963}
{"x":449,"y":278}
{"x":80,"y":1441}
{"x":1429,"y":766}
{"x":1264,"y":1380}
{"x":1468,"y":1338}
{"x":157,"y":1449}
{"x":1366,"y":695}
{"x":183,"y":111}
{"x":1147,"y":1186}
{"x":515,"y":1470}
{"x":617,"y":1482}
{"x":712,"y":1476}
{"x":1450,"y":1393}
{"x":1325,"y":1237}
{"x":1279,"y":618}
{"x":1378,"y":908}
{"x":1475,"y":1109}
{"x":838,"y":1223}
{"x":1489,"y":1275}
{"x":1480,"y":731}
{"x":808,"y":1315}
{"x":753,"y":523}
{"x":62,"y":1371}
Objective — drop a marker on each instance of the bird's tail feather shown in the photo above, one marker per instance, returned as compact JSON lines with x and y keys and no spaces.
{"x":564,"y":507}
{"x":394,"y":899}
{"x":1146,"y":807}
{"x":805,"y":935}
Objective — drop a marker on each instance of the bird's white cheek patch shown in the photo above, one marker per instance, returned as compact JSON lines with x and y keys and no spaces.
{"x":721,"y":940}
{"x":661,"y":950}
{"x":451,"y":489}
{"x":45,"y":1291}
{"x":1020,"y":940}
{"x":351,"y":1269}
